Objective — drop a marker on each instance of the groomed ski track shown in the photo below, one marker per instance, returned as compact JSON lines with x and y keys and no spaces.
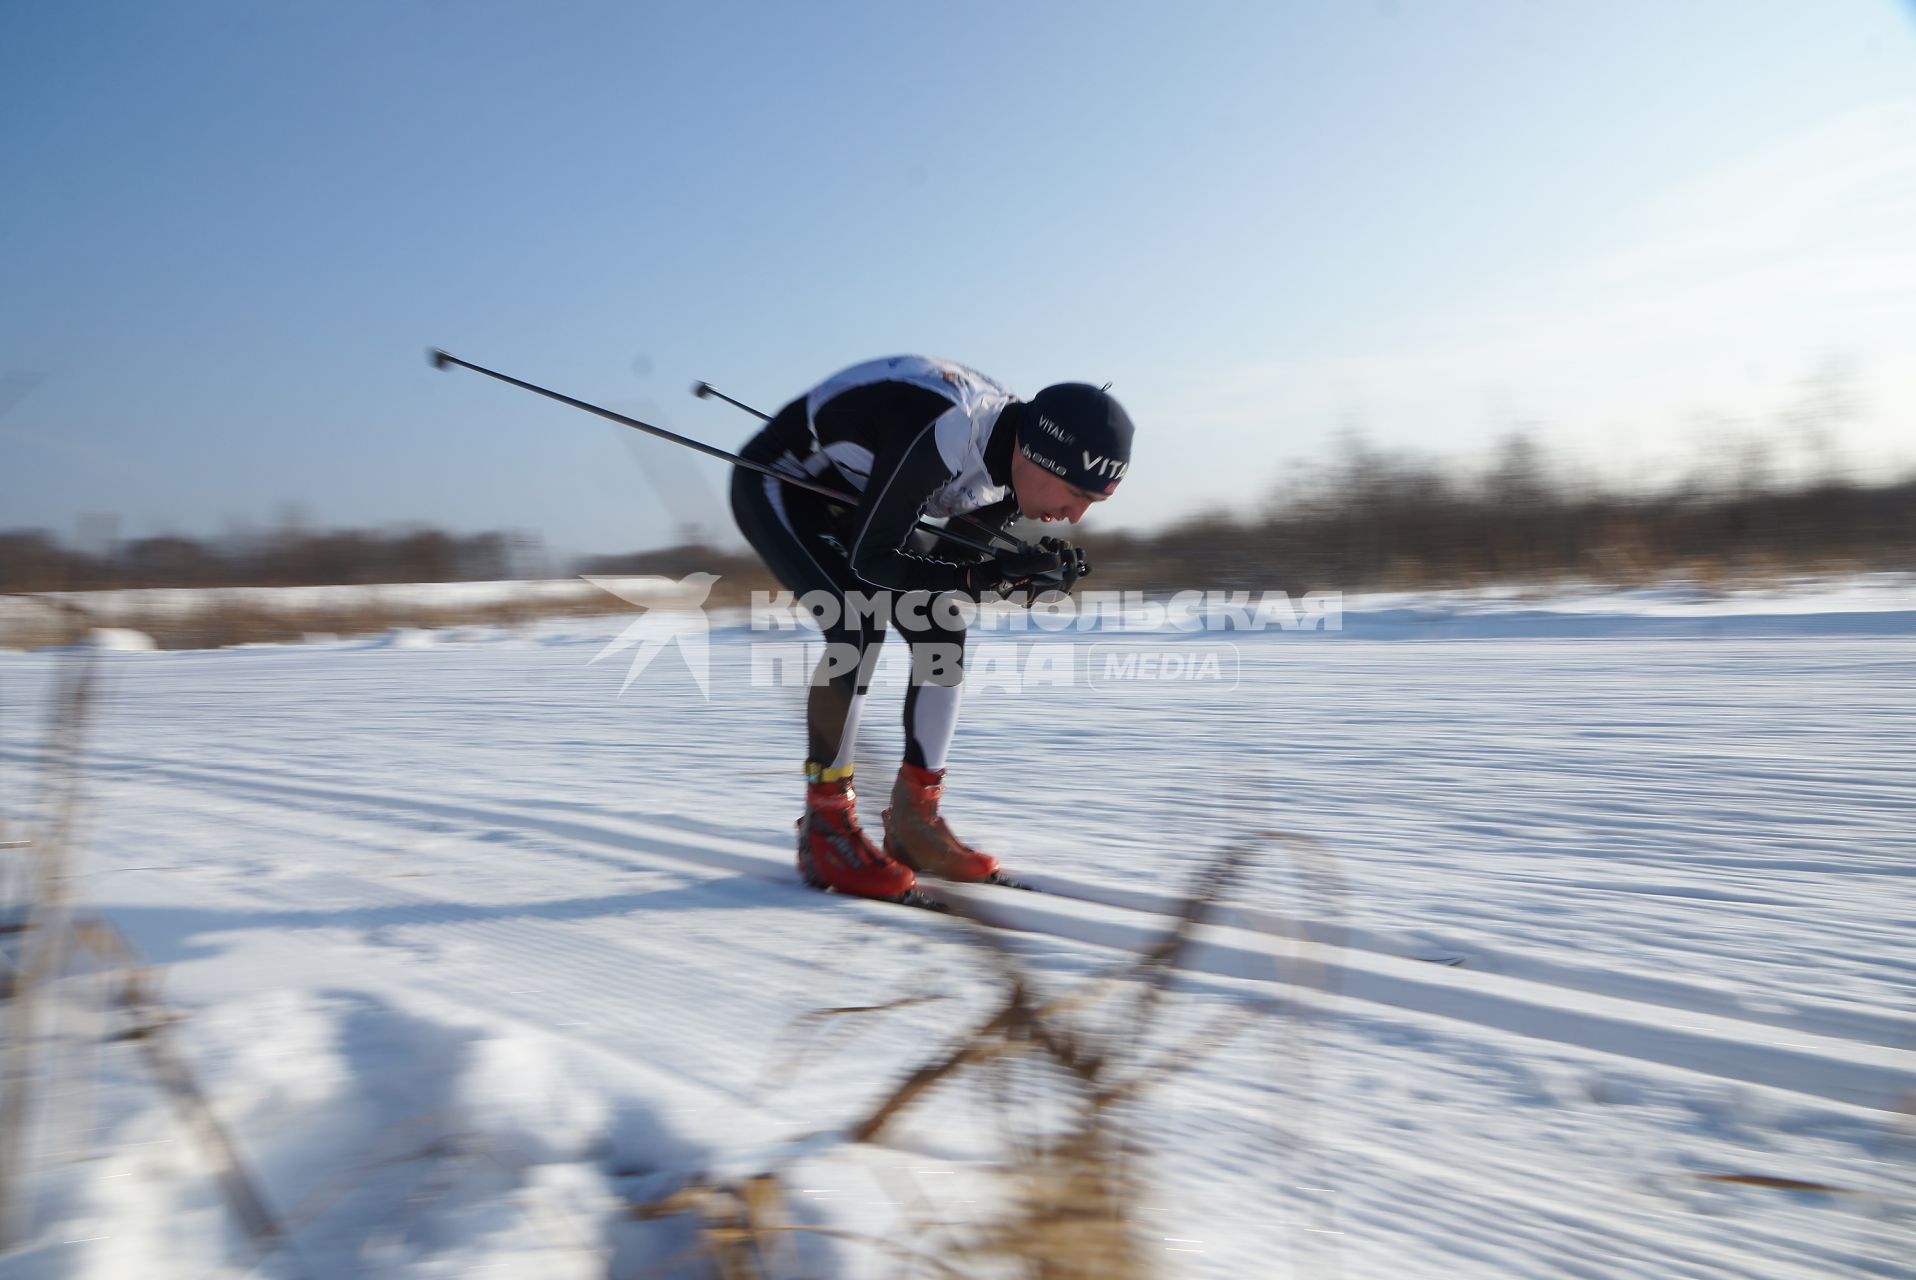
{"x":1664,"y":1022}
{"x":457,"y":879}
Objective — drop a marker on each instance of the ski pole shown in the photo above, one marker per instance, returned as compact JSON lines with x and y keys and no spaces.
{"x":443,"y":359}
{"x":704,"y":389}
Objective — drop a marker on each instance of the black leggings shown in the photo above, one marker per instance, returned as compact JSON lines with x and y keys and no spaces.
{"x":797,"y":534}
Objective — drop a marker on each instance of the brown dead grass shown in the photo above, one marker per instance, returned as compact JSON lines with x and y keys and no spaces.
{"x":224,"y":623}
{"x":1062,"y":1072}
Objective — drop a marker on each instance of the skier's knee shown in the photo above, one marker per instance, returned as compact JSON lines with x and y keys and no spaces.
{"x":938,"y":663}
{"x":842,"y":661}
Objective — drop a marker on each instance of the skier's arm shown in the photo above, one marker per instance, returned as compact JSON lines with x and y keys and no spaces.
{"x":998,"y":516}
{"x":995,"y":518}
{"x":902,"y":480}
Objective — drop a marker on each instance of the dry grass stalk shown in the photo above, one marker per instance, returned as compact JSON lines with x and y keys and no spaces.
{"x":814,"y":1020}
{"x":42,"y":941}
{"x":51,"y":931}
{"x":1073,"y":1195}
{"x":743,"y":1228}
{"x":1072,"y":1187}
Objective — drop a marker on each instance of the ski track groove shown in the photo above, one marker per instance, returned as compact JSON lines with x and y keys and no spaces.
{"x":1406,"y":1184}
{"x":1709,"y":1041}
{"x":567,"y":973}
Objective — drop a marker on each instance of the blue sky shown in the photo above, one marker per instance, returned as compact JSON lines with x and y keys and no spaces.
{"x":228,"y":233}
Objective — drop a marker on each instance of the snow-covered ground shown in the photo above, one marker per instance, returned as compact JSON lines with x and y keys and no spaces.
{"x":470,"y":951}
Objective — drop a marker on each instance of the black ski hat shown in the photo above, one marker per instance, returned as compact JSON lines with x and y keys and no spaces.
{"x":1078,"y":433}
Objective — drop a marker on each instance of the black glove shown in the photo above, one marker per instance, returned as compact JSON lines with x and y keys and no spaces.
{"x":1071,"y":566}
{"x":1010,"y":570}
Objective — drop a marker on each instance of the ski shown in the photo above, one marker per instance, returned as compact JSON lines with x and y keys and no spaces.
{"x":916,"y":897}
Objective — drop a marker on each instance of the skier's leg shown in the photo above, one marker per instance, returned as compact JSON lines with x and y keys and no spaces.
{"x":831,"y":720}
{"x":836,"y":700}
{"x":932,"y":699}
{"x":790,"y":530}
{"x":915,"y":834}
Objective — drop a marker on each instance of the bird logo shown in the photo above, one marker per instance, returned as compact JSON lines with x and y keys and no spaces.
{"x":674,"y":614}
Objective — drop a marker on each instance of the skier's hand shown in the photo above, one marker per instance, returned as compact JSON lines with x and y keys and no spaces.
{"x":1007,"y":572}
{"x":1071,"y":566}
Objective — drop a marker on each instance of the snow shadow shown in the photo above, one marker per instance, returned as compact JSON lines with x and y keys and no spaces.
{"x":387,"y":1136}
{"x":170,"y":935}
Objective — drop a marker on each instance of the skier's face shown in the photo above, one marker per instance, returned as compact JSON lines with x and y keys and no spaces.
{"x":1043,"y":496}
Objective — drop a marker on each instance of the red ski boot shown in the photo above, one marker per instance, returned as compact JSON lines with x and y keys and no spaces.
{"x":919,"y":838}
{"x":834,"y":853}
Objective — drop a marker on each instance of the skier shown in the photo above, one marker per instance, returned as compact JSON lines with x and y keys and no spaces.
{"x":911,"y":436}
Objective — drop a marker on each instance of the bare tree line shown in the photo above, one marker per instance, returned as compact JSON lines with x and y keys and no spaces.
{"x":32,"y":560}
{"x":1367,"y":517}
{"x":1375,"y":518}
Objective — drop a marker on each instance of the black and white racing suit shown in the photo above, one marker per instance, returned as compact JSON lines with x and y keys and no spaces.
{"x":909,"y":436}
